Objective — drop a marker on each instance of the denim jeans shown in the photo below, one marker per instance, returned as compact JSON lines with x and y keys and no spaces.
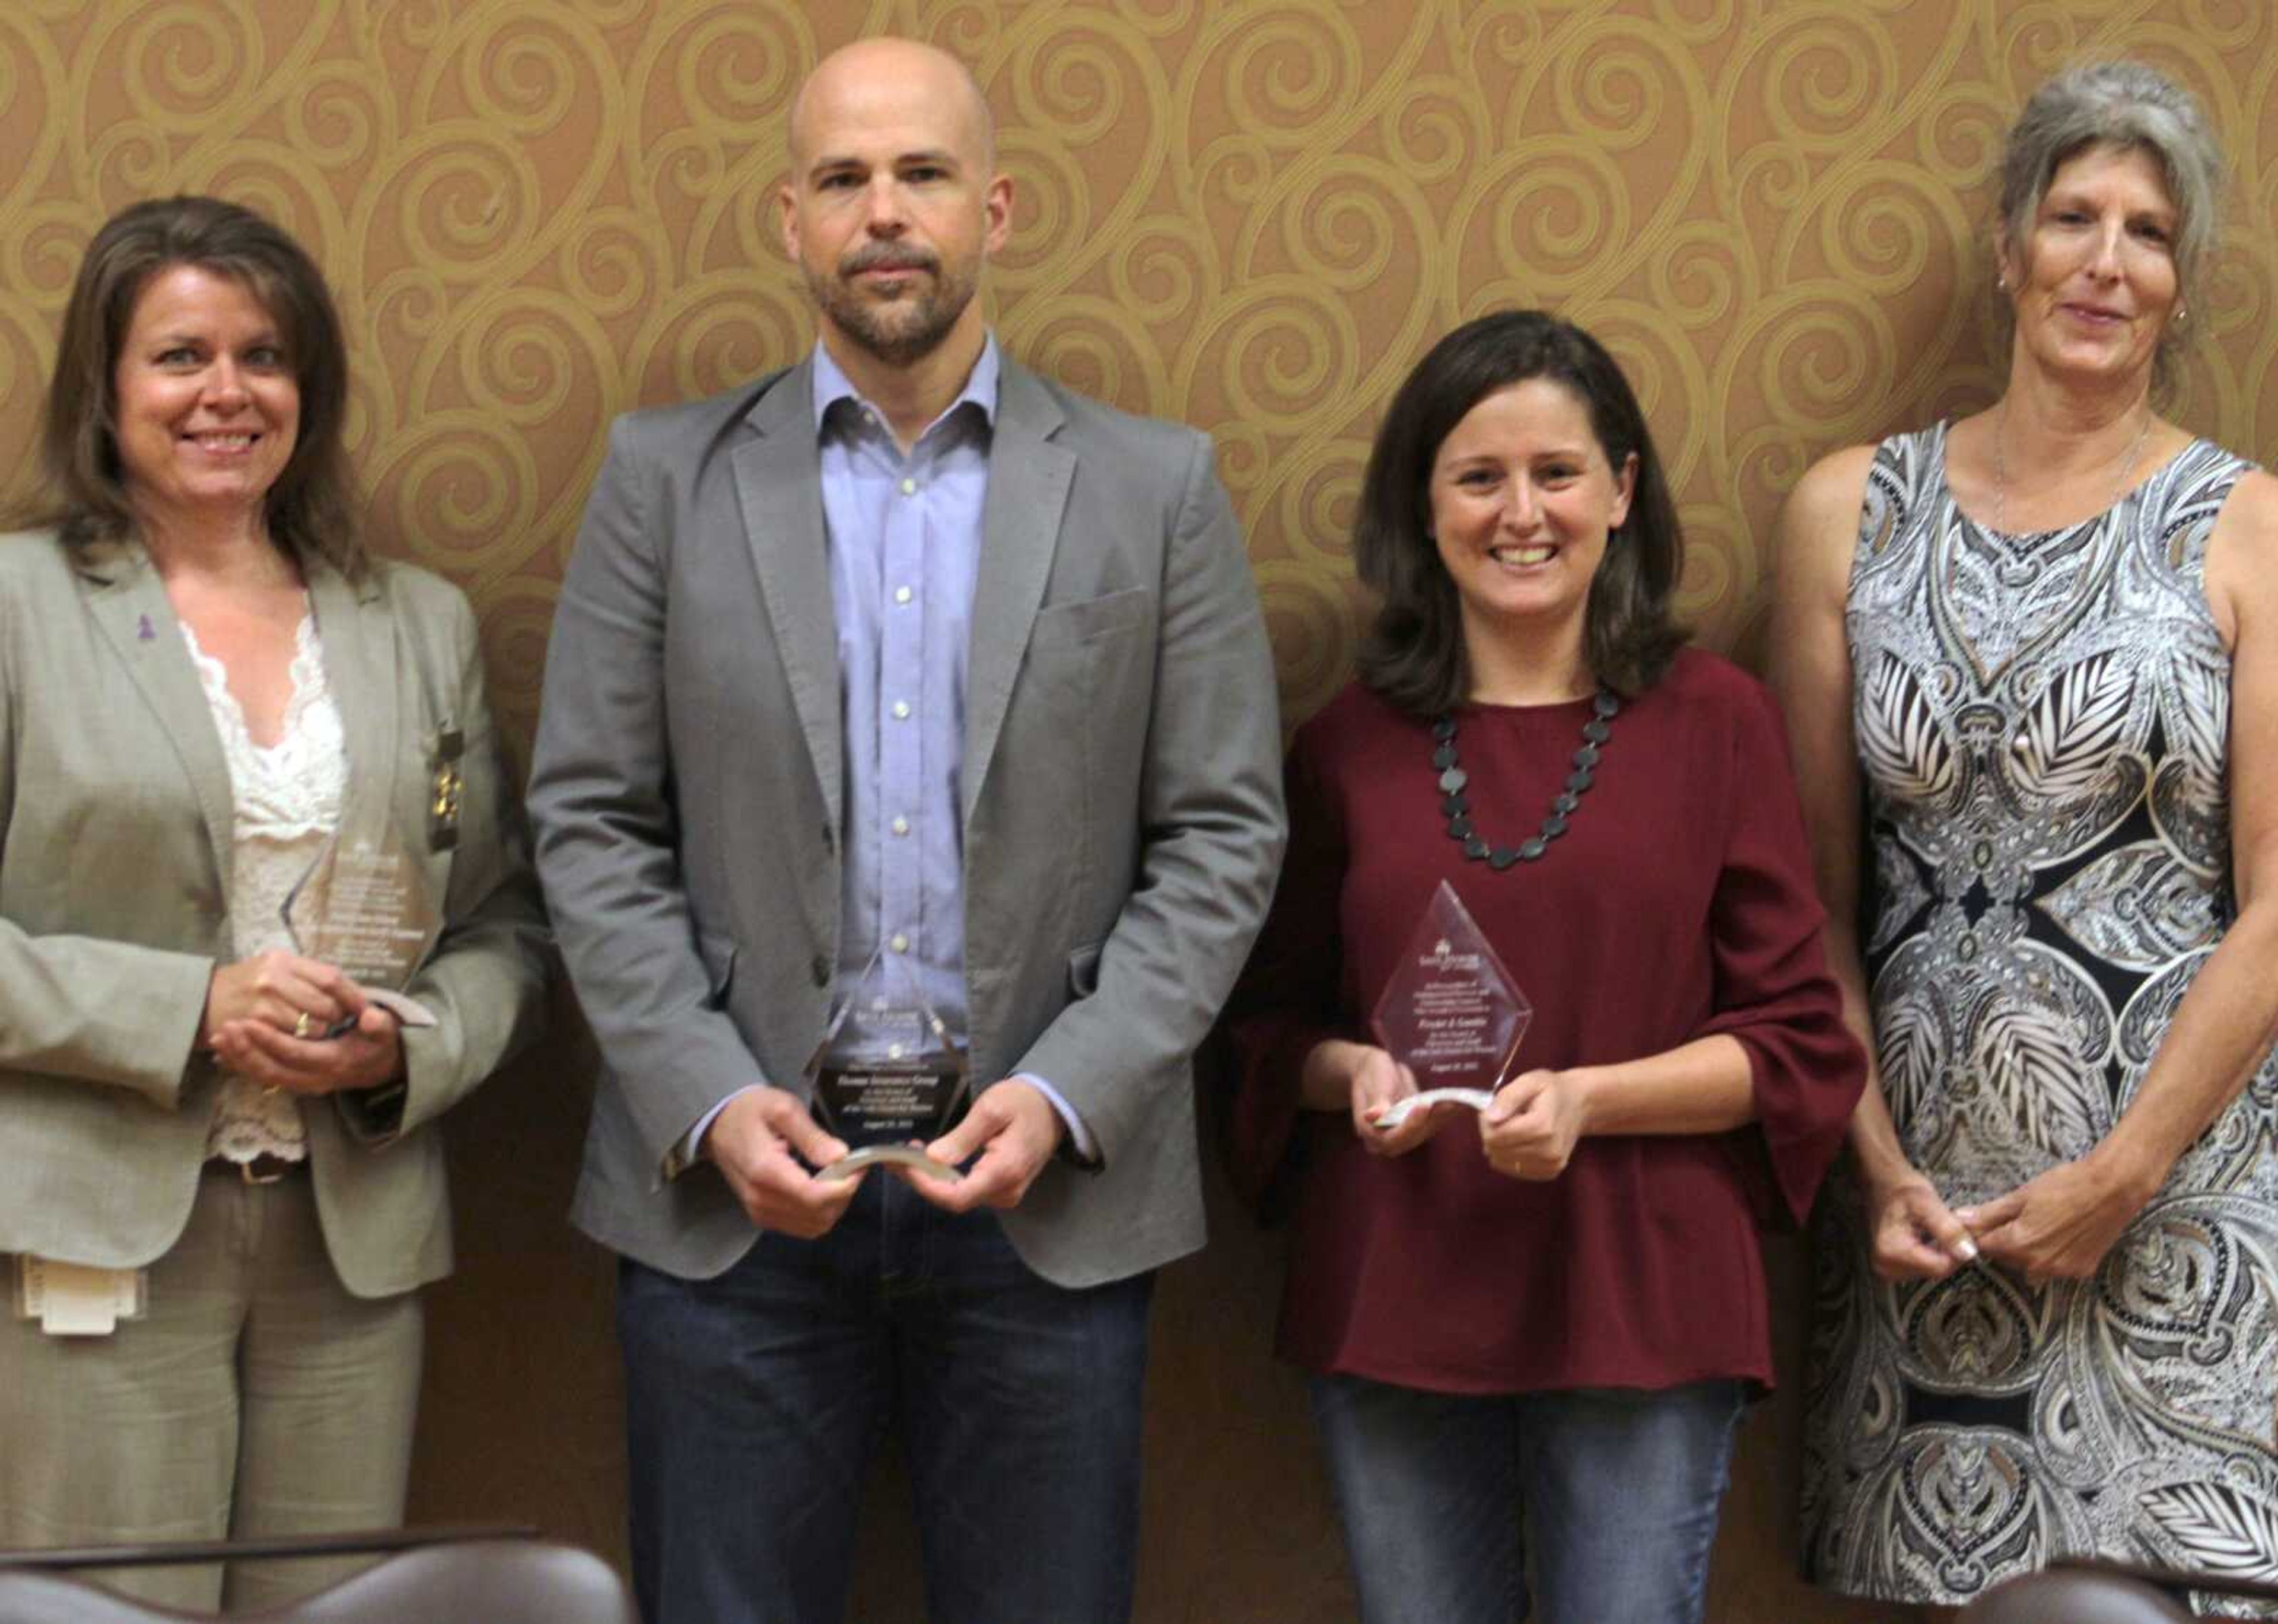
{"x":755,"y":1402}
{"x":1442,"y":1494}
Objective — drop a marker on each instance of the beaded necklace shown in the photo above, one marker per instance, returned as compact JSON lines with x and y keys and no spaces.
{"x":1595,"y":732}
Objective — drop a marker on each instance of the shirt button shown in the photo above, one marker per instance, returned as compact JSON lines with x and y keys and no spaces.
{"x":900,"y":826}
{"x":909,"y":487}
{"x":901,"y":594}
{"x":899,"y":942}
{"x":901,"y":710}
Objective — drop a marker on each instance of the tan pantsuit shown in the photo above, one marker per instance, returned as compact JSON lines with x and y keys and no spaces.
{"x":116,"y":823}
{"x":149,"y":1433}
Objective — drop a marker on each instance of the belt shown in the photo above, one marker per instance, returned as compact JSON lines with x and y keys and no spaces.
{"x":264,"y":1168}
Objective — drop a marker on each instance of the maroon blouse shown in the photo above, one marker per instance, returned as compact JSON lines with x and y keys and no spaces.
{"x":1679,"y":903}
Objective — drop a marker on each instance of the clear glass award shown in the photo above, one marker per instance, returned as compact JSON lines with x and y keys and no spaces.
{"x":887,"y":1078}
{"x":365,"y":908}
{"x":1450,"y":1013}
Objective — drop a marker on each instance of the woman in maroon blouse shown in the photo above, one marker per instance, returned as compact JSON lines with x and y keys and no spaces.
{"x":1546,"y":1317}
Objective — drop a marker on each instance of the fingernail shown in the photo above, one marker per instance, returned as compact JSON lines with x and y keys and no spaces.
{"x":1966,"y":1249}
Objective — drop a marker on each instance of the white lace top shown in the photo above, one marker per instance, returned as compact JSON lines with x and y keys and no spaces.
{"x":287,"y":802}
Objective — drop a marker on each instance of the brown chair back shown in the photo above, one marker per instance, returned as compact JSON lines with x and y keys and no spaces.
{"x":27,"y":1597}
{"x":474,"y":1582}
{"x":2074,"y":1596}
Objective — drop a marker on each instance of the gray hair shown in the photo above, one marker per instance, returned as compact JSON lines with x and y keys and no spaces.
{"x":2131,"y":107}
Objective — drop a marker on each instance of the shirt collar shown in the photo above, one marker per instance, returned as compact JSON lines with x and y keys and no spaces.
{"x":831,"y":387}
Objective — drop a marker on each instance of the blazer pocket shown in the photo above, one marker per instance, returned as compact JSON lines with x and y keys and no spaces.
{"x":1083,"y":971}
{"x":1091,"y":620}
{"x":718,"y":953}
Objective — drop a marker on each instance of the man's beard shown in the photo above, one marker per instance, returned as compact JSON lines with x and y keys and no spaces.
{"x":901,"y":331}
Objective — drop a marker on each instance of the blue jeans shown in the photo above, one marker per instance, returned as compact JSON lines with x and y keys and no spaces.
{"x":1442,"y":1493}
{"x":755,"y":1402}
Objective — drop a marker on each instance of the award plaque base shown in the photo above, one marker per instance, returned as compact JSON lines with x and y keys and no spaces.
{"x":899,"y":1155}
{"x":1393,"y":1115}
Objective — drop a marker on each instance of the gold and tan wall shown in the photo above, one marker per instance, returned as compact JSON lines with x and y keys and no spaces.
{"x":1250,"y":215}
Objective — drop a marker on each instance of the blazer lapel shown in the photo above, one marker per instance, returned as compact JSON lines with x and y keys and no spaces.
{"x":1028,"y":479}
{"x":360,"y":667}
{"x":129,"y":601}
{"x":779,"y":487}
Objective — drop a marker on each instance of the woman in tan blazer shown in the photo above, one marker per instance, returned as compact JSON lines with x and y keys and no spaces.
{"x":224,"y":1182}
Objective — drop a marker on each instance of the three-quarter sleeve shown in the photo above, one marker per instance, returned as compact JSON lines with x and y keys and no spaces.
{"x":1773,"y":992}
{"x":1288,"y":999}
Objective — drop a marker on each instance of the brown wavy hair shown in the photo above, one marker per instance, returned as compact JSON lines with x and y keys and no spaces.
{"x":312,"y":510}
{"x":1413,"y":655}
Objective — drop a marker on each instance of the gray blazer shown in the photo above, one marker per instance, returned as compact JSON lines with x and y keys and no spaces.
{"x":1122,"y":809}
{"x":115,"y":832}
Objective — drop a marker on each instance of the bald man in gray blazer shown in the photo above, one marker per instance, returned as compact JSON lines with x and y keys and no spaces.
{"x":905,"y":656}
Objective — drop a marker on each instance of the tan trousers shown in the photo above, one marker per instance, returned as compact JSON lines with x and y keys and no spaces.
{"x":257,"y":1398}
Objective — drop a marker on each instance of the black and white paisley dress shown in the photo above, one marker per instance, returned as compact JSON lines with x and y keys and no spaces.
{"x":2041,"y":723}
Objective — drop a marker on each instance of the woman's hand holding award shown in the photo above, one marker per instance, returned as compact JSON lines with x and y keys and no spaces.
{"x":1450,"y":1013}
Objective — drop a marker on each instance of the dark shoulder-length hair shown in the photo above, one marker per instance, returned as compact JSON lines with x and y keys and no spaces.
{"x":1413,"y":655}
{"x":311,"y":510}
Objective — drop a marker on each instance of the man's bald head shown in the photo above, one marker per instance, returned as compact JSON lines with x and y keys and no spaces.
{"x":852,"y":74}
{"x":893,"y":205}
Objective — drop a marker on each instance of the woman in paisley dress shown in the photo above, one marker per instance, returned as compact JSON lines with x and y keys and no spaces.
{"x":203,"y":679}
{"x":2036,"y":649}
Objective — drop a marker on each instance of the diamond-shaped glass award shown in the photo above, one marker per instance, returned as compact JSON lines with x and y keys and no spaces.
{"x":888,"y":1072}
{"x":365,"y":908}
{"x":1450,"y":1012}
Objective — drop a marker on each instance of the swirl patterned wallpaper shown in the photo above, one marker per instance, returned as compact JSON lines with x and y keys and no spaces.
{"x":1250,"y":215}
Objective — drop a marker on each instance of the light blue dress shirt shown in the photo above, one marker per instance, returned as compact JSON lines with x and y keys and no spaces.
{"x":904,"y":544}
{"x":904,"y":535}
